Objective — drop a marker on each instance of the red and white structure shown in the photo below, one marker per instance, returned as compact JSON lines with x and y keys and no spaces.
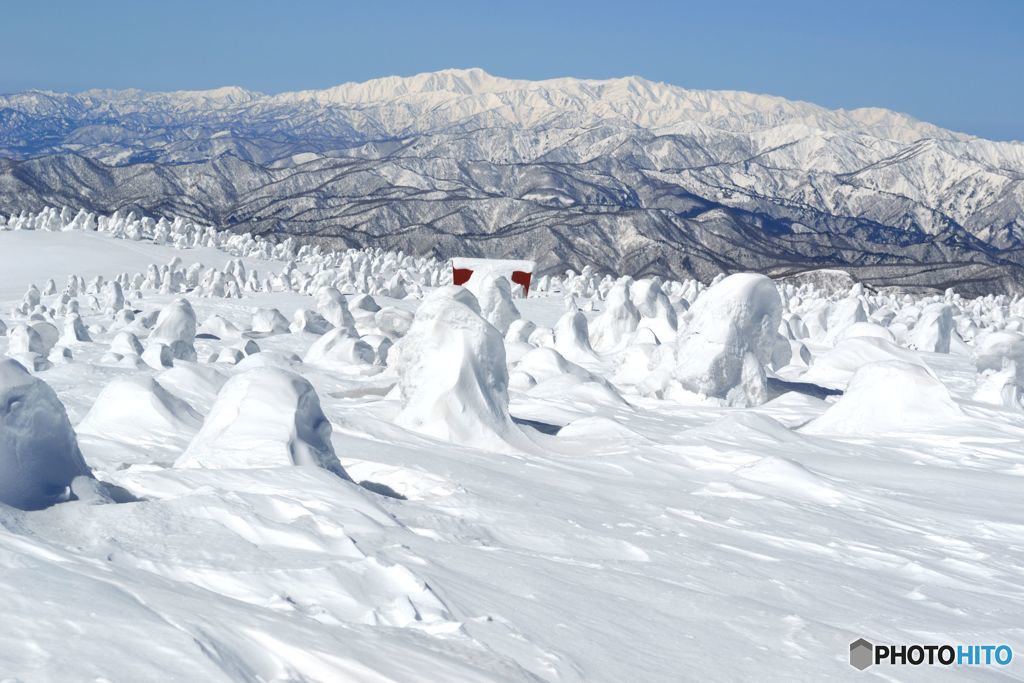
{"x":518,"y":272}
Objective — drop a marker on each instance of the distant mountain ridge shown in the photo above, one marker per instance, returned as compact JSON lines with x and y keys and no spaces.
{"x":628,"y":174}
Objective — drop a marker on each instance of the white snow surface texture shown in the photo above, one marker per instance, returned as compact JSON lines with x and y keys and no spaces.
{"x":223,"y":459}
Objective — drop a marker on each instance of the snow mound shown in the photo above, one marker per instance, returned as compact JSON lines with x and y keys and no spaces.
{"x":39,"y":456}
{"x":572,"y":337}
{"x":933,"y":329}
{"x":48,"y":333}
{"x":618,"y":321}
{"x":656,"y":308}
{"x":543,"y":364}
{"x":494,"y":294}
{"x":176,"y":329}
{"x":74,"y":330}
{"x":125,"y":343}
{"x":998,"y":350}
{"x":332,"y":306}
{"x":520,"y":331}
{"x":888,"y":397}
{"x":158,"y":356}
{"x":835,"y":368}
{"x":545,"y":374}
{"x":730,"y":336}
{"x":264,"y":417}
{"x":364,"y":303}
{"x":139,"y":410}
{"x":269,"y":321}
{"x":999,"y":387}
{"x":340,"y":347}
{"x":453,"y":380}
{"x":219,"y":327}
{"x":787,"y":478}
{"x":24,"y":340}
{"x":305,"y":320}
{"x":393,"y":322}
{"x":197,"y":384}
{"x":647,"y":367}
{"x":27,"y":346}
{"x":380,"y":345}
{"x":843,"y":314}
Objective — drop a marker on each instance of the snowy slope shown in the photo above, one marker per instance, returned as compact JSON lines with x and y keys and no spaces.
{"x":621,"y":527}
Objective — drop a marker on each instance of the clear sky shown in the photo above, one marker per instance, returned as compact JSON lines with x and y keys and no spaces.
{"x":959,"y":64}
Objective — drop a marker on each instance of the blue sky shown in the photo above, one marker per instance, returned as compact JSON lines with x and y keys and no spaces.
{"x":957,"y":64}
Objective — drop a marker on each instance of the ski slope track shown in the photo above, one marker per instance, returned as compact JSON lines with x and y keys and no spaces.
{"x":627,"y":175}
{"x":227,"y":458}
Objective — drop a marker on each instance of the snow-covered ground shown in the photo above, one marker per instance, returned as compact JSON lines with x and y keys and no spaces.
{"x":610,"y":480}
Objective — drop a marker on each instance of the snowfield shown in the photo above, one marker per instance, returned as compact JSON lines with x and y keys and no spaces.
{"x":223,"y":459}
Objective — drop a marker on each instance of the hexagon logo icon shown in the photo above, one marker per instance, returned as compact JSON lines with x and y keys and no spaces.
{"x":862,"y":654}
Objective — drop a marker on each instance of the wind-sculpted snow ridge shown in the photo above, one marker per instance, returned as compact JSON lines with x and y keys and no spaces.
{"x":634,"y":176}
{"x":230,"y":459}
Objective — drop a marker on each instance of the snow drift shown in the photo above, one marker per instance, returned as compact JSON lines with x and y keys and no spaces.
{"x":140,"y":410}
{"x":888,"y":397}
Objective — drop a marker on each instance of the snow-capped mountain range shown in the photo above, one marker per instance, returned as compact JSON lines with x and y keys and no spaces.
{"x":627,"y":174}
